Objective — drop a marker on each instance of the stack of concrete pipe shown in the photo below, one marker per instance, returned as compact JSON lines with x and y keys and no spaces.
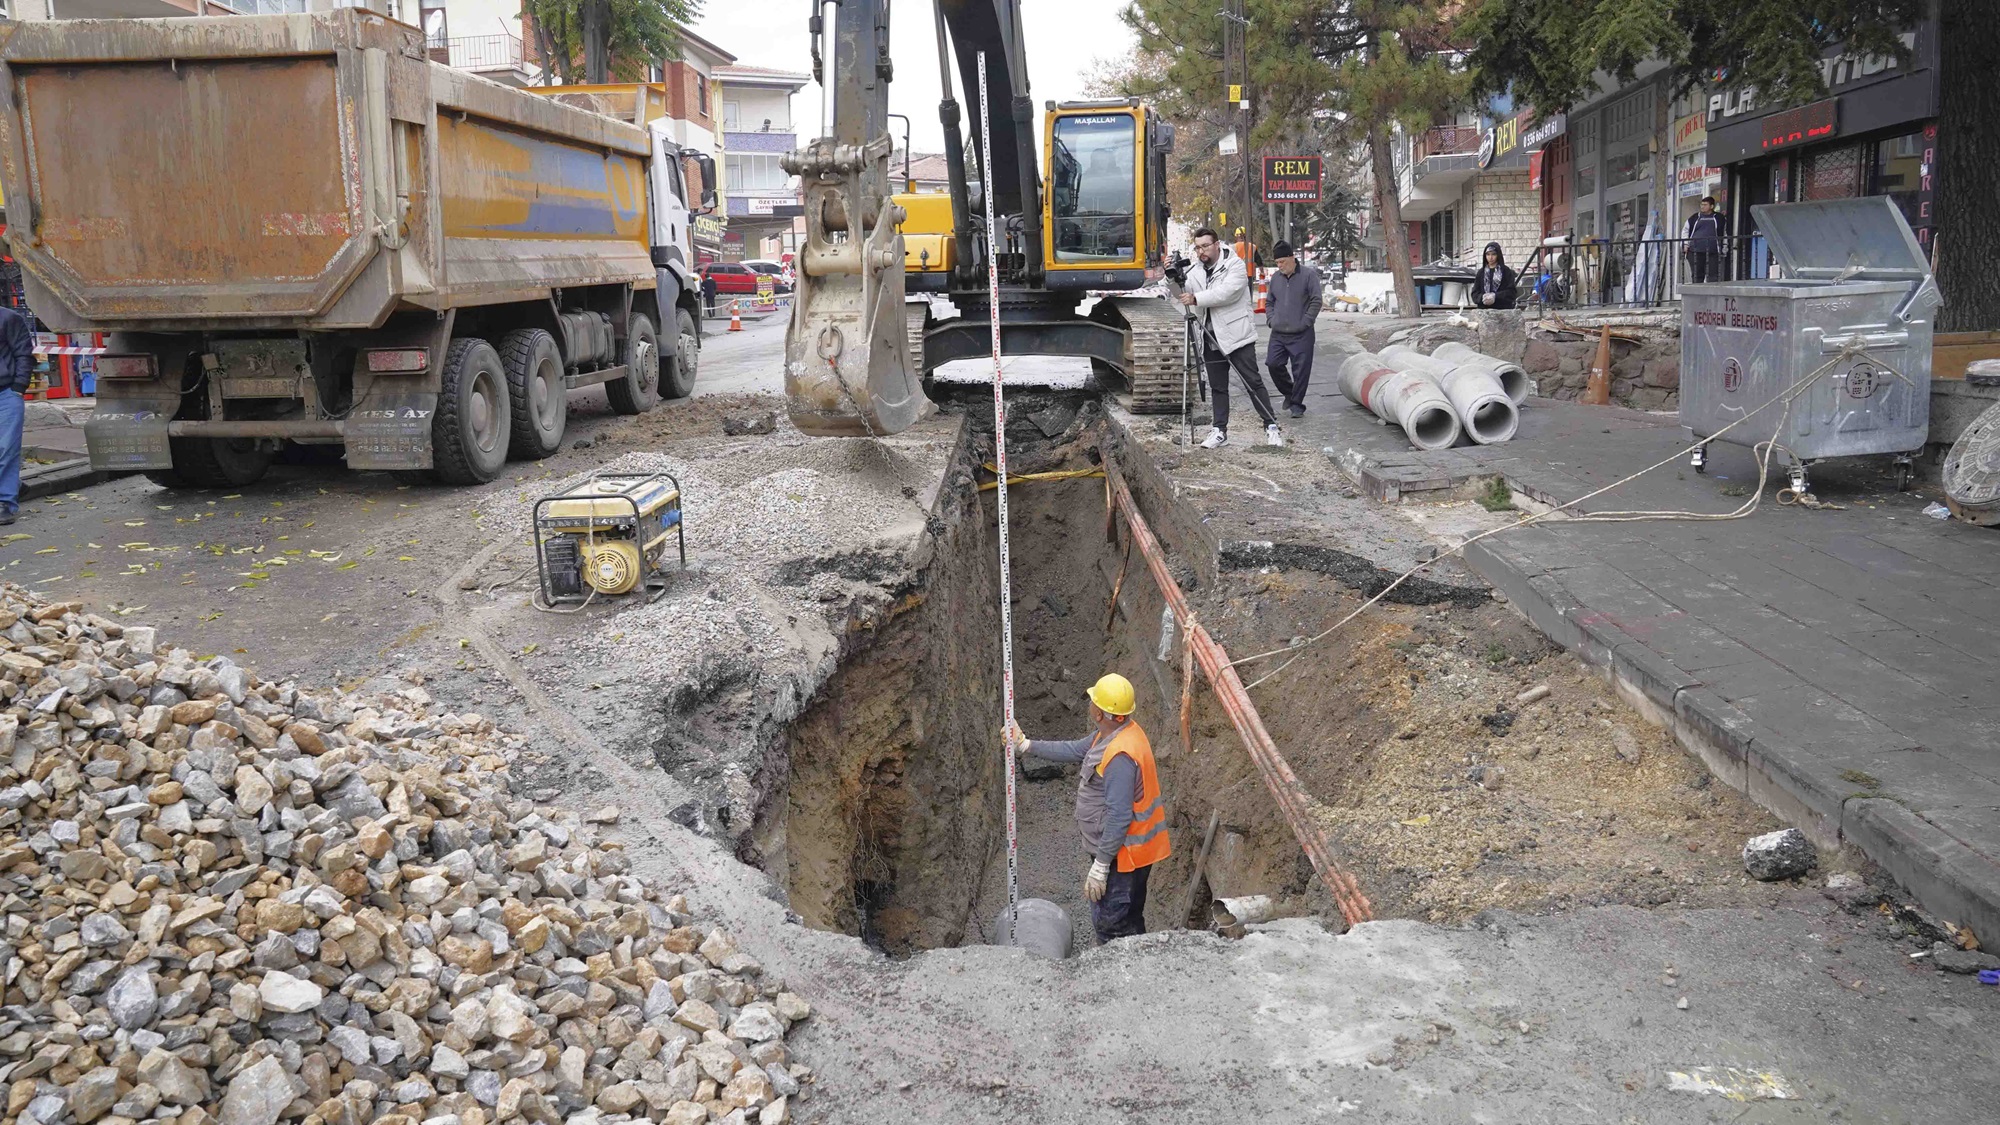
{"x":1475,"y":390}
{"x":1513,"y":377}
{"x":1409,"y":399}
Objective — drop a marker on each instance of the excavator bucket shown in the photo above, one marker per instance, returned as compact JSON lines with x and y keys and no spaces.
{"x":848,"y":371}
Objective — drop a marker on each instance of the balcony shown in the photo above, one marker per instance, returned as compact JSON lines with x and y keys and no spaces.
{"x":499,"y":57}
{"x":1440,"y":159}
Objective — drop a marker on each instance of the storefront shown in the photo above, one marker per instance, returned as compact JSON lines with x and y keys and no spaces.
{"x":1874,"y":134}
{"x":1616,"y":148}
{"x":1694,"y":177}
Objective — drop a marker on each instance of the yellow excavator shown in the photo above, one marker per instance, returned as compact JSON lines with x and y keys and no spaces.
{"x":855,"y":353}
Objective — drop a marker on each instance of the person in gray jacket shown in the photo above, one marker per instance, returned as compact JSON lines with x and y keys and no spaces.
{"x":1292,"y":306}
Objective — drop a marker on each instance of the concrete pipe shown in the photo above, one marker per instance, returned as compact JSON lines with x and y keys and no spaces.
{"x":1483,"y":407}
{"x":1513,"y":377}
{"x":1401,"y":398}
{"x":1043,"y":929}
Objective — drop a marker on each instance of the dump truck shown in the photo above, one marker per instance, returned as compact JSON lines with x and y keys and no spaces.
{"x":299,"y":230}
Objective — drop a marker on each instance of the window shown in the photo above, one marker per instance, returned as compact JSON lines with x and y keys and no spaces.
{"x":701,"y":92}
{"x":1832,"y":174}
{"x":732,"y":113}
{"x":1899,"y":174}
{"x":1093,"y":179}
{"x":756,"y":173}
{"x":1441,"y":236}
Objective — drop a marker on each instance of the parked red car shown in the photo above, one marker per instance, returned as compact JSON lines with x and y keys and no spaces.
{"x":733,"y":279}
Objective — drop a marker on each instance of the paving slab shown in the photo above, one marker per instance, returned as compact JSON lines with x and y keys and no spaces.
{"x":1843,"y":658}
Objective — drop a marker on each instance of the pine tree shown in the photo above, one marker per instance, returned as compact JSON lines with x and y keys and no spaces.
{"x":1349,"y":71}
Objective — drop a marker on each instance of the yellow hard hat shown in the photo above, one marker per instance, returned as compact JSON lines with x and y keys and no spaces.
{"x":1113,"y":694}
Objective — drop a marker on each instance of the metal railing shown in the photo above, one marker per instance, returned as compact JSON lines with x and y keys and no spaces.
{"x":1446,"y":140}
{"x":479,"y":52}
{"x":1633,"y":273}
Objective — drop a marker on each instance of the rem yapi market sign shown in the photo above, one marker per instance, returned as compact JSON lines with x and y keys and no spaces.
{"x":1291,"y":179}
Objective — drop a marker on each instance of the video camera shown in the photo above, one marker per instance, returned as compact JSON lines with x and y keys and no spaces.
{"x":1177,"y":269}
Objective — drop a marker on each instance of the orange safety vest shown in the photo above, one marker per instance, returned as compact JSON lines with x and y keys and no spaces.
{"x":1248,"y":253}
{"x":1146,"y":840}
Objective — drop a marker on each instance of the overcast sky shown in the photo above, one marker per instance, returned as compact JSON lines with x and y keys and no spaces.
{"x":1065,"y":40}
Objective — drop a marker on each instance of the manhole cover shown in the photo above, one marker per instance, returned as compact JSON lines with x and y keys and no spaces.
{"x":1972,"y":469}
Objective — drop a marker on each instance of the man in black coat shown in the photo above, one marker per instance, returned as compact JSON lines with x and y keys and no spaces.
{"x":1706,"y":229}
{"x":17,"y":371}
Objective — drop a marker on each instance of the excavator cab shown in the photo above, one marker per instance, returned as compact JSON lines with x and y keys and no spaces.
{"x":1104,"y":209}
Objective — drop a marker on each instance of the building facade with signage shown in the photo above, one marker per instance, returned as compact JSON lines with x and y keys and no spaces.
{"x":762,"y":198}
{"x":1875,"y":133}
{"x":1468,"y":183}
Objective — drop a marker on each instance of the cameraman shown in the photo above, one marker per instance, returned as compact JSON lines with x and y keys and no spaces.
{"x":1218,"y":290}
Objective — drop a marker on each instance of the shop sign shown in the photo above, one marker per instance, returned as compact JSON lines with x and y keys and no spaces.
{"x":1548,"y":129}
{"x":1691,"y":132}
{"x":1291,"y":179}
{"x":767,"y":204}
{"x":710,"y":228}
{"x":1839,"y":71}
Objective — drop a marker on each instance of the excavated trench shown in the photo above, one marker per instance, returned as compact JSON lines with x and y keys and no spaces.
{"x":882,"y":806}
{"x":890,"y":825}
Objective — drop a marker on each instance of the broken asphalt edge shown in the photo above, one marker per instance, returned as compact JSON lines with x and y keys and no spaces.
{"x":1946,"y":876}
{"x":38,"y":481}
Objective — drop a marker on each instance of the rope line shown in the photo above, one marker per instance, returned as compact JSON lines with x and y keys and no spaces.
{"x":1000,"y":490}
{"x":1763,"y":450}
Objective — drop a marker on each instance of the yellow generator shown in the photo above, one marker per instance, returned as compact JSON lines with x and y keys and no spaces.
{"x":608,"y":535}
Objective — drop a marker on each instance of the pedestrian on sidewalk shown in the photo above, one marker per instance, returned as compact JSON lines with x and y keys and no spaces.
{"x":1706,"y":229}
{"x":1293,"y":303}
{"x":708,"y":286}
{"x":1219,"y":292}
{"x":17,"y":372}
{"x":1119,"y":810}
{"x":1496,"y":285}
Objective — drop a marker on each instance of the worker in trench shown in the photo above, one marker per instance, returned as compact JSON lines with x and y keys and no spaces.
{"x":1119,"y":808}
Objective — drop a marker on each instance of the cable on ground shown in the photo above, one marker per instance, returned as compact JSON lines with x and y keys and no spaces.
{"x":1763,"y":450}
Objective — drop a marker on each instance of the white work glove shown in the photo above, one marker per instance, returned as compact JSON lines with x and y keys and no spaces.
{"x":1093,"y":883}
{"x":1021,"y":741}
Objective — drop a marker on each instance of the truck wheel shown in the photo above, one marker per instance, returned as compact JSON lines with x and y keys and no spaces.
{"x":680,"y":370}
{"x":469,"y":432}
{"x":213,"y":463}
{"x":638,"y":390}
{"x":536,"y":392}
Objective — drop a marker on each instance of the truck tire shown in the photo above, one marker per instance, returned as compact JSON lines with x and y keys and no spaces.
{"x":536,"y":392}
{"x":470,"y":431}
{"x":213,"y":463}
{"x":638,"y":390}
{"x":679,"y":374}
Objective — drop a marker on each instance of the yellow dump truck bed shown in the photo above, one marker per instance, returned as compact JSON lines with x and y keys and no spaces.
{"x":302,"y":171}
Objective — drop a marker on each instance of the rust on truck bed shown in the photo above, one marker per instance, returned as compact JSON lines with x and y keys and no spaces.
{"x":312,"y":172}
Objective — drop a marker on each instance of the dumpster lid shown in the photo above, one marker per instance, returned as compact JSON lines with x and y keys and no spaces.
{"x":1842,"y":238}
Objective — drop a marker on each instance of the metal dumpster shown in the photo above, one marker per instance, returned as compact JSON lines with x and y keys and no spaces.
{"x":1858,"y":294}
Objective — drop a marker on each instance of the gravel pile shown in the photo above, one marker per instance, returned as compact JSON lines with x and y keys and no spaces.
{"x":234,"y":901}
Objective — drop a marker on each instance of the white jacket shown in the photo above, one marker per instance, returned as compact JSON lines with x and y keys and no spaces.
{"x":1223,"y":299}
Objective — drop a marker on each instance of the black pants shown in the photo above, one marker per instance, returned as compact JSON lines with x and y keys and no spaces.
{"x":1704,"y":266}
{"x":1122,"y":910}
{"x":1244,"y":360}
{"x":1293,"y":350}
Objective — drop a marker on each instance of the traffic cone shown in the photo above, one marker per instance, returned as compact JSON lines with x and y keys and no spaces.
{"x":736,"y":316}
{"x":1263,"y":294}
{"x":1597,"y":389}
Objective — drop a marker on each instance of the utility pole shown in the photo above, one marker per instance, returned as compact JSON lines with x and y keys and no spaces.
{"x":1236,"y":74}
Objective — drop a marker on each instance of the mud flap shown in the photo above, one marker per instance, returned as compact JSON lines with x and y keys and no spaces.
{"x":669,"y":292}
{"x":391,"y":428}
{"x":127,"y":432}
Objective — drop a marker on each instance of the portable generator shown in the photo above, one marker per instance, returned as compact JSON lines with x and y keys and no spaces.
{"x":608,"y":535}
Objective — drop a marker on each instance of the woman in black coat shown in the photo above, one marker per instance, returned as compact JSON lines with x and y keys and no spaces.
{"x":1494,"y":287}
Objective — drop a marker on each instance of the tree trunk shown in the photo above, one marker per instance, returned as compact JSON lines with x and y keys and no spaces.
{"x":597,"y":41}
{"x":1395,"y":240}
{"x":1968,"y":193}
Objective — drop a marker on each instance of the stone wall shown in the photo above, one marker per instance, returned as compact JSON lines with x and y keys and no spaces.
{"x":1502,"y":208}
{"x":1645,"y":373}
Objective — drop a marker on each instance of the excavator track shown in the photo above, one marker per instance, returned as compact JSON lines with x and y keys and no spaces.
{"x":916,"y":317}
{"x":1155,"y":352}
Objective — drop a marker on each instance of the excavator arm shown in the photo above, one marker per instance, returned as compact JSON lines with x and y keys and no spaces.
{"x":848,"y":371}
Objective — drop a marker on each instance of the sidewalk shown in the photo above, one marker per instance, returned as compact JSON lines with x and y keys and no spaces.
{"x":53,"y":456}
{"x":1839,"y":666}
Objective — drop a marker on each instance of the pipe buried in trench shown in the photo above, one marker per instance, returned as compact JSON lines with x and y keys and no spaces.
{"x":1476,"y":395}
{"x":1513,"y":377}
{"x":1401,"y":398}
